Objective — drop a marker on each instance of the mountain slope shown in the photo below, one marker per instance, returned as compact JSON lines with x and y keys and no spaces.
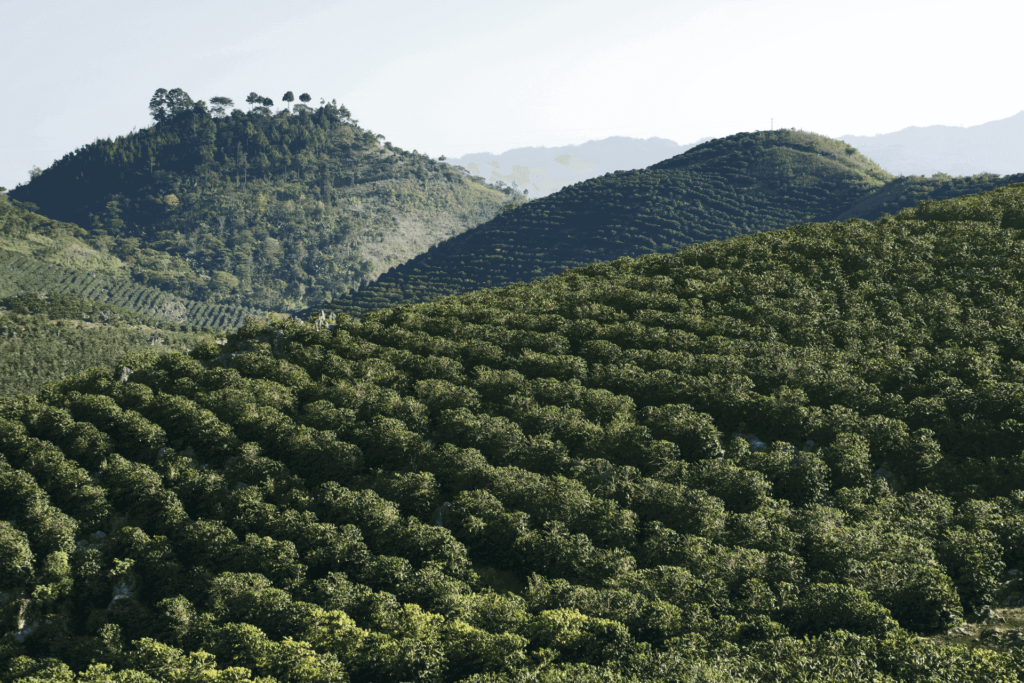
{"x":39,"y":256}
{"x":745,"y":183}
{"x":786,"y":452}
{"x":825,"y":174}
{"x":270,"y":210}
{"x":907,"y":191}
{"x":52,"y":345}
{"x":993,"y":147}
{"x":725,"y":187}
{"x":66,"y":306}
{"x":23,"y":232}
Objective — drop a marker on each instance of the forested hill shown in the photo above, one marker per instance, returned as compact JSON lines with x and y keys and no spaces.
{"x":827,"y":174}
{"x":783,"y":456}
{"x":264,"y":209}
{"x":745,"y":183}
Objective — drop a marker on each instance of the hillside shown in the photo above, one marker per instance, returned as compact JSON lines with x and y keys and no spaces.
{"x":907,"y":191}
{"x":45,"y":341}
{"x":23,"y":275}
{"x":544,"y":170}
{"x":271,"y":210}
{"x":26,"y":233}
{"x":790,"y":455}
{"x":66,"y":306}
{"x":41,"y":257}
{"x":993,"y":147}
{"x":729,"y":186}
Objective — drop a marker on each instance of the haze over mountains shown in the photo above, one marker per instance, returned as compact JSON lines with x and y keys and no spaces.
{"x":993,"y":147}
{"x":544,"y":170}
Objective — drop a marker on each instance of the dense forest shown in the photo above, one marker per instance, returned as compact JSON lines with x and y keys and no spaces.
{"x":789,"y":455}
{"x":730,"y":186}
{"x":271,"y":210}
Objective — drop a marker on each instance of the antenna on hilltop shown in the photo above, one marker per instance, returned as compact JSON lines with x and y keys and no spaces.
{"x":773,"y":125}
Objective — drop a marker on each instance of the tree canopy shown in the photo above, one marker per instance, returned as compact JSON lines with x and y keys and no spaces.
{"x":789,"y":455}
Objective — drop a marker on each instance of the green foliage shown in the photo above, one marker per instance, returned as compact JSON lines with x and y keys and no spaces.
{"x":267,"y":210}
{"x":16,"y":569}
{"x":780,"y":457}
{"x":25,"y":280}
{"x":25,"y":233}
{"x":45,"y":267}
{"x":56,"y":306}
{"x":828,"y":606}
{"x":36,"y":350}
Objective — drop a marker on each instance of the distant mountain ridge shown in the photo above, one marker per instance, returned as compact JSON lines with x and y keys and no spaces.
{"x":993,"y":147}
{"x":544,"y":170}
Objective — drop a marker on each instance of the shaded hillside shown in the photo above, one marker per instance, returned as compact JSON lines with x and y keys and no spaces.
{"x":781,"y":456}
{"x":993,"y":147}
{"x":544,"y":170}
{"x":750,"y":182}
{"x":25,"y":275}
{"x":271,"y":210}
{"x":66,"y":306}
{"x":907,"y":191}
{"x":729,"y":186}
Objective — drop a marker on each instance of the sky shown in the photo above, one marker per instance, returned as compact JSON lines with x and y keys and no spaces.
{"x":454,"y":77}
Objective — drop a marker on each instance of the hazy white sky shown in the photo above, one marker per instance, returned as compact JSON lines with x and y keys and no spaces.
{"x":459,"y":76}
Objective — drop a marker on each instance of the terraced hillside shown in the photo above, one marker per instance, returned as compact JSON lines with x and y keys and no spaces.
{"x":789,"y":455}
{"x":25,"y":275}
{"x":745,"y":183}
{"x":37,"y":350}
{"x":907,"y":191}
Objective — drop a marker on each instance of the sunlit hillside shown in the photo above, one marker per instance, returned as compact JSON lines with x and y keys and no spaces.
{"x":788,"y":455}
